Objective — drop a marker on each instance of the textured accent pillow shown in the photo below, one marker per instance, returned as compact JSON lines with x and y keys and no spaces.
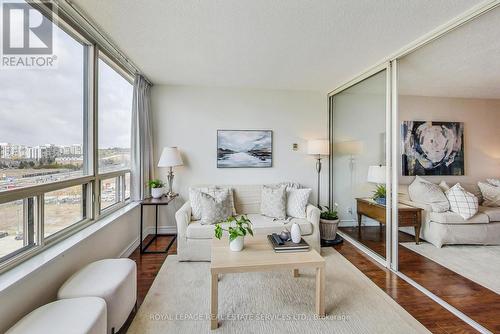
{"x":495,"y":182}
{"x":289,"y":185}
{"x":296,"y":202}
{"x":462,"y":202}
{"x":195,"y":200}
{"x":215,"y":209}
{"x":273,"y":202}
{"x":423,"y":191}
{"x":491,"y":194}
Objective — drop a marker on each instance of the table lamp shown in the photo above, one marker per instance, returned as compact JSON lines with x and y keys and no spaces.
{"x":170,"y":157}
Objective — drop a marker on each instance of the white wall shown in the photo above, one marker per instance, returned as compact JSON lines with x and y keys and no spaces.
{"x":189,"y":117}
{"x":40,"y":287}
{"x":481,"y":119}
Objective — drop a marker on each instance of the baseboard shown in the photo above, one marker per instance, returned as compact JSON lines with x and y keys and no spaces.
{"x":130,"y":248}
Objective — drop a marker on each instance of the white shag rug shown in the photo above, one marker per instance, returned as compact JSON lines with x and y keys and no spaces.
{"x":271,"y":302}
{"x":480,"y":264}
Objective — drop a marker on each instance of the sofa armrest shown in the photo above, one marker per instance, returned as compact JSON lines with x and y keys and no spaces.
{"x":423,"y":206}
{"x":183,"y":218}
{"x":312,"y":214}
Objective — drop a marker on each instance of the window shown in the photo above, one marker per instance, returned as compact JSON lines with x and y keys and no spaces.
{"x":63,"y":208}
{"x":17,"y":226}
{"x":115,"y":116}
{"x":42,"y":113}
{"x":56,"y":174}
{"x":110,"y":192}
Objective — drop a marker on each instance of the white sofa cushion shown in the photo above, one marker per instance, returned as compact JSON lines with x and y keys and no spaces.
{"x":462,"y":202}
{"x":78,"y":316}
{"x":296,"y":202}
{"x":262,"y":225}
{"x":273,"y":202}
{"x":491,"y":194}
{"x":450,"y":217}
{"x":492,"y":212}
{"x":215,"y":208}
{"x":423,"y":191}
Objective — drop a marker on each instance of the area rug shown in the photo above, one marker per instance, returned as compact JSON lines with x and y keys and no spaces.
{"x":477,"y":263}
{"x":272,"y":302}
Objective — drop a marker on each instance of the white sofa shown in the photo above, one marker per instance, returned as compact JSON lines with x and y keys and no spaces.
{"x":194,"y":240}
{"x":449,"y":228}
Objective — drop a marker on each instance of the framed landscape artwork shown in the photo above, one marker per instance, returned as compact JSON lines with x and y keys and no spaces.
{"x":432,"y":148}
{"x":244,"y":148}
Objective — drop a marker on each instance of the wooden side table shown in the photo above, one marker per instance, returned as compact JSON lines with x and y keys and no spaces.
{"x":164,"y":200}
{"x":407,"y":215}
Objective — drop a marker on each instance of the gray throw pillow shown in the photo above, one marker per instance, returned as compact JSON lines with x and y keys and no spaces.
{"x":215,"y":209}
{"x":273,"y":202}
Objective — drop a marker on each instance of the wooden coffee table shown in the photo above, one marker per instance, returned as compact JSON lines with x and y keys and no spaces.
{"x":257,"y":256}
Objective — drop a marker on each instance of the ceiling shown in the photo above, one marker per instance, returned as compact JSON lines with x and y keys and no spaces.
{"x":275,"y":44}
{"x":463,"y":63}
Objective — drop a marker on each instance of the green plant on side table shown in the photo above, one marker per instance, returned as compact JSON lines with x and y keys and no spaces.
{"x":379,"y":195}
{"x":156,"y":187}
{"x":238,"y":228}
{"x":328,"y":224}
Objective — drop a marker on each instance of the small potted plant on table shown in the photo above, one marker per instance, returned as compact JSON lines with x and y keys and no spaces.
{"x":238,"y":228}
{"x":328,"y":225}
{"x":379,"y":195}
{"x":156,"y":188}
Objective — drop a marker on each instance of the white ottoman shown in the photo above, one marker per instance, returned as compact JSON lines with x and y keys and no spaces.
{"x":76,"y":316}
{"x":114,"y":280}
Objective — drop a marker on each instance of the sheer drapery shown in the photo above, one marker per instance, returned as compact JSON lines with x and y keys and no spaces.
{"x":142,"y":139}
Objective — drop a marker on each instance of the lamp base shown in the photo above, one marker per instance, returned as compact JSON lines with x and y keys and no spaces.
{"x":171,"y":194}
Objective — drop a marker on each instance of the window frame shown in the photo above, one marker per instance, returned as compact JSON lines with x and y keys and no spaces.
{"x":92,"y":195}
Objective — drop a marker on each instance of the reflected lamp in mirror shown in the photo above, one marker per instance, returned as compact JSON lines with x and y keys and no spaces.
{"x":318,"y":147}
{"x":170,"y":157}
{"x":352,"y":147}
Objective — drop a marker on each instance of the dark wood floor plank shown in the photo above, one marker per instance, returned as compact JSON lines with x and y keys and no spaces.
{"x":430,"y":314}
{"x":479,"y":303}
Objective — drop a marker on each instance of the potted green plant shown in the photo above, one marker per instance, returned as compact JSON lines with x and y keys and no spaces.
{"x":238,"y":228}
{"x":156,"y":187}
{"x":379,"y":195}
{"x":328,"y":223}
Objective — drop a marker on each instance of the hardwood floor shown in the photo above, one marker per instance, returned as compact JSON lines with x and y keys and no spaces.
{"x":474,"y":300}
{"x":430,"y":314}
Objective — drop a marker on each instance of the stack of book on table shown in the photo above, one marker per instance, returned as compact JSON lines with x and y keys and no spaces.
{"x":282,"y":246}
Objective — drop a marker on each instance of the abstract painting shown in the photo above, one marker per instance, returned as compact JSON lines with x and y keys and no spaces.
{"x":244,"y":148}
{"x":432,"y":148}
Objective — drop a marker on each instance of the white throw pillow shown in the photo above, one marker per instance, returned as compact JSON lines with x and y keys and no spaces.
{"x":462,"y":202}
{"x":296,"y":202}
{"x":495,"y":182}
{"x":195,"y":199}
{"x":215,"y":209}
{"x":423,"y":191}
{"x":491,"y":194}
{"x":273,"y":202}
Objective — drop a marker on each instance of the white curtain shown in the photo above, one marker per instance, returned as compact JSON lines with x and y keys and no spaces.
{"x":142,"y":139}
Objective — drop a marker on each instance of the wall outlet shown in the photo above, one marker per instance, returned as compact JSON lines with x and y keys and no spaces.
{"x":295,"y":147}
{"x":349,"y":211}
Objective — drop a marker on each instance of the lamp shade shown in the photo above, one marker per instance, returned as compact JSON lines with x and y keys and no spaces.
{"x":376,"y":174}
{"x":170,"y":157}
{"x":318,"y":147}
{"x":352,"y":147}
